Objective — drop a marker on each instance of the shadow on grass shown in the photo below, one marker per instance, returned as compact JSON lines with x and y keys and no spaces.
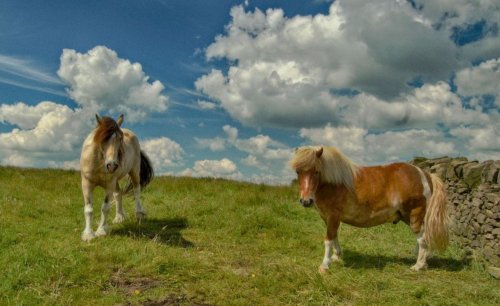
{"x":355,"y":260}
{"x":165,"y":231}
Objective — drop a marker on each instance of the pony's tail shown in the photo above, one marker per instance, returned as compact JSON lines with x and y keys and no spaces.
{"x":146,"y":174}
{"x":436,"y":217}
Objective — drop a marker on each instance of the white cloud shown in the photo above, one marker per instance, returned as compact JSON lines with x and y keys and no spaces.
{"x":478,"y":139}
{"x":252,"y":161}
{"x":206,"y":105}
{"x":164,"y":153}
{"x":223,"y":168}
{"x":424,"y":107}
{"x":100,"y":79}
{"x":288,"y":71}
{"x":46,"y":127}
{"x":214,"y":144}
{"x":265,"y":154}
{"x":51,"y":134}
{"x":349,"y":139}
{"x":480,"y":80}
{"x":231,"y":132}
{"x":48,"y":133}
{"x":370,"y":148}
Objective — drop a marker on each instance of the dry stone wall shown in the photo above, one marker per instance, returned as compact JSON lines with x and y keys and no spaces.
{"x":473,"y":202}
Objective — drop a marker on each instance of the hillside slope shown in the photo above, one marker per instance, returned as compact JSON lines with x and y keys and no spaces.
{"x":209,"y":242}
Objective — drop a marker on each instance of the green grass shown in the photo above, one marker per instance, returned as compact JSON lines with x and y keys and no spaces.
{"x":209,"y":242}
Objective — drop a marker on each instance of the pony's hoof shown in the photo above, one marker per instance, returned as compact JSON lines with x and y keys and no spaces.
{"x":102,"y":231}
{"x":88,"y":235}
{"x":418,"y":267}
{"x":322,"y":269}
{"x":140,"y":215}
{"x":119,"y":219}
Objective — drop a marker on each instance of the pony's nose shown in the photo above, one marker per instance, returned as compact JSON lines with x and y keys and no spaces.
{"x":111,"y":166}
{"x":306,"y":203}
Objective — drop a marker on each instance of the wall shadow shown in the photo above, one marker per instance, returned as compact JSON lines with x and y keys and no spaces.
{"x":165,"y":231}
{"x":356,"y":260}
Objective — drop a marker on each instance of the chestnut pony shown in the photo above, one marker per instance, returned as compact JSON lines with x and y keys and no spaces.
{"x":109,"y":154}
{"x":370,"y":196}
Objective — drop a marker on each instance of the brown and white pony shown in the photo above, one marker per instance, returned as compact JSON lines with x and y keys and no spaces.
{"x":370,"y":196}
{"x":109,"y":154}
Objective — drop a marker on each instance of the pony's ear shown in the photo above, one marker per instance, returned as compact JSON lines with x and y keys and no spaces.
{"x":98,"y":118}
{"x":319,"y":152}
{"x":119,"y":121}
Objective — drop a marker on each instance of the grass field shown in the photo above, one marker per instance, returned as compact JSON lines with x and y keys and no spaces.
{"x":209,"y":242}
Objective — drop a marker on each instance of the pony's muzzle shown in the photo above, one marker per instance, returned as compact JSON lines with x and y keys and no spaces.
{"x":306,"y":202}
{"x":111,"y":166}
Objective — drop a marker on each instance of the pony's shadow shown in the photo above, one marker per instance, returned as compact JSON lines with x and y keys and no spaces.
{"x":165,"y":231}
{"x":355,"y":260}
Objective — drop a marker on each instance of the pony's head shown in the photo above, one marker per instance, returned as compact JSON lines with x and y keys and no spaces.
{"x":316,"y":165}
{"x":307,"y":163}
{"x":109,"y":138}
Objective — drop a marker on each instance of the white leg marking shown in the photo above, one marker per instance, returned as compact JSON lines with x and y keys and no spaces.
{"x":422,"y":253}
{"x":87,"y":234}
{"x":328,"y":254}
{"x":329,"y":258}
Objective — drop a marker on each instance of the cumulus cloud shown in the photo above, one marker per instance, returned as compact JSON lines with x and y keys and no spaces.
{"x":480,"y":80}
{"x":214,"y":144}
{"x":51,"y":134}
{"x":44,"y":133}
{"x":369,"y":148}
{"x":290,"y":71}
{"x":265,"y":154}
{"x":46,"y":127}
{"x":260,"y":148}
{"x":102,"y":80}
{"x":164,"y":153}
{"x":223,"y":168}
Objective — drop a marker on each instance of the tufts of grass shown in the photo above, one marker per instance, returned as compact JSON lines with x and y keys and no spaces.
{"x":209,"y":242}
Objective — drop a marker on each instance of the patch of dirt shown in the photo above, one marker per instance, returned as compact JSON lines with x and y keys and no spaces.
{"x":131,"y":284}
{"x":175,"y":300}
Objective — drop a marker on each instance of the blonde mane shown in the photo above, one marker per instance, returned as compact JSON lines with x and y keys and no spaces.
{"x":334,"y":167}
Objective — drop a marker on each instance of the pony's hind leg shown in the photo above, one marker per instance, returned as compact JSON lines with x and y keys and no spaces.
{"x":120,"y":214}
{"x":103,"y":228}
{"x":422,"y":253}
{"x":87,"y":190}
{"x":140,"y":213}
{"x":417,"y":226}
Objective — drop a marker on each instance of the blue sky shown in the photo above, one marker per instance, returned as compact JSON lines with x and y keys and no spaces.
{"x":229,"y":88}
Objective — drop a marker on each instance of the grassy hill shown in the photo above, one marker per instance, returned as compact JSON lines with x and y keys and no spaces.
{"x":209,"y":242}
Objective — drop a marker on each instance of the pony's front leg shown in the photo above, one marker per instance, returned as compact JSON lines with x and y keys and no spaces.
{"x":103,"y":228}
{"x":120,"y":214}
{"x":331,"y":241}
{"x":87,"y":190}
